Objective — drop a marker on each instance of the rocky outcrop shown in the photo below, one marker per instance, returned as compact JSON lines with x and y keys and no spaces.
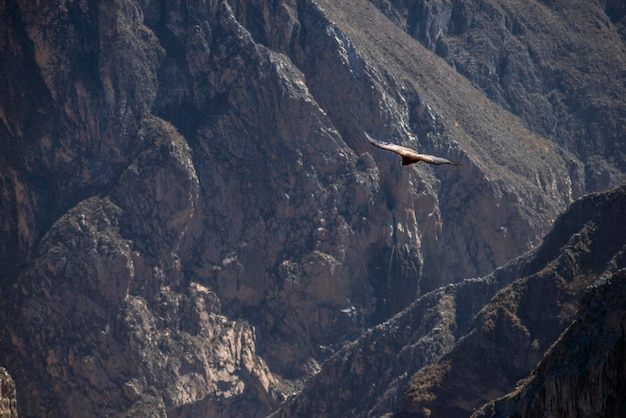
{"x":193,"y":218}
{"x":368,"y":376}
{"x":467,"y":343}
{"x":8,"y":398}
{"x":511,"y":334}
{"x":583,"y":372}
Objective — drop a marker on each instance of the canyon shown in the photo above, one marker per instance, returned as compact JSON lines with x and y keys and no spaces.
{"x":194,"y":223}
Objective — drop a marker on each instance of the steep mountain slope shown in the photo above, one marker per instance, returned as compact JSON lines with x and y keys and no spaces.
{"x":583,"y":373}
{"x":437,"y":359}
{"x":510,"y":335}
{"x":193,"y":219}
{"x":367,"y":377}
{"x":350,"y":43}
{"x":558,"y":65}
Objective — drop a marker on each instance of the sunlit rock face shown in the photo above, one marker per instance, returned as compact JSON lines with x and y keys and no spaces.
{"x":542,"y":61}
{"x":193,"y":218}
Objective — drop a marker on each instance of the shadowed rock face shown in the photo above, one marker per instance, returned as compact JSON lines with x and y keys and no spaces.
{"x":511,"y":334}
{"x":583,"y":372}
{"x":193,"y":217}
{"x":368,"y":376}
{"x":464,"y":344}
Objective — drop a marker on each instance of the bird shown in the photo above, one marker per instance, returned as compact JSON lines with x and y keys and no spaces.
{"x":408,"y":155}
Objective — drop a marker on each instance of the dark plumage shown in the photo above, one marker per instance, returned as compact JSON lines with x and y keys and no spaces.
{"x":408,"y":155}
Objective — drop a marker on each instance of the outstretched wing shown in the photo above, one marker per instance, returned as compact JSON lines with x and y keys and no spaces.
{"x":398,"y":149}
{"x":431,"y":159}
{"x":409,"y":156}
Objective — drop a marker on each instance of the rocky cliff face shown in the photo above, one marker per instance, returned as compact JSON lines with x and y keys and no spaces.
{"x":547,"y":62}
{"x":583,"y":372}
{"x":464,"y":344}
{"x":511,"y":334}
{"x":193,"y":218}
{"x":368,"y":376}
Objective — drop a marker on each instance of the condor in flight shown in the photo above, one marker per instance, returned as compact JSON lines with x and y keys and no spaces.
{"x":408,"y":155}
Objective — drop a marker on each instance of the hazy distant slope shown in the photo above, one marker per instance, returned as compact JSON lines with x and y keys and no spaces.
{"x":558,"y":65}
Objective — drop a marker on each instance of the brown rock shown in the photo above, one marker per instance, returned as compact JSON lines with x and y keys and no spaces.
{"x":512,"y":333}
{"x":583,"y":371}
{"x":537,"y":59}
{"x":193,"y":220}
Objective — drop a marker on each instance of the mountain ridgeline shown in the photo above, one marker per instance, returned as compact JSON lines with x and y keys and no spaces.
{"x":194,"y":222}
